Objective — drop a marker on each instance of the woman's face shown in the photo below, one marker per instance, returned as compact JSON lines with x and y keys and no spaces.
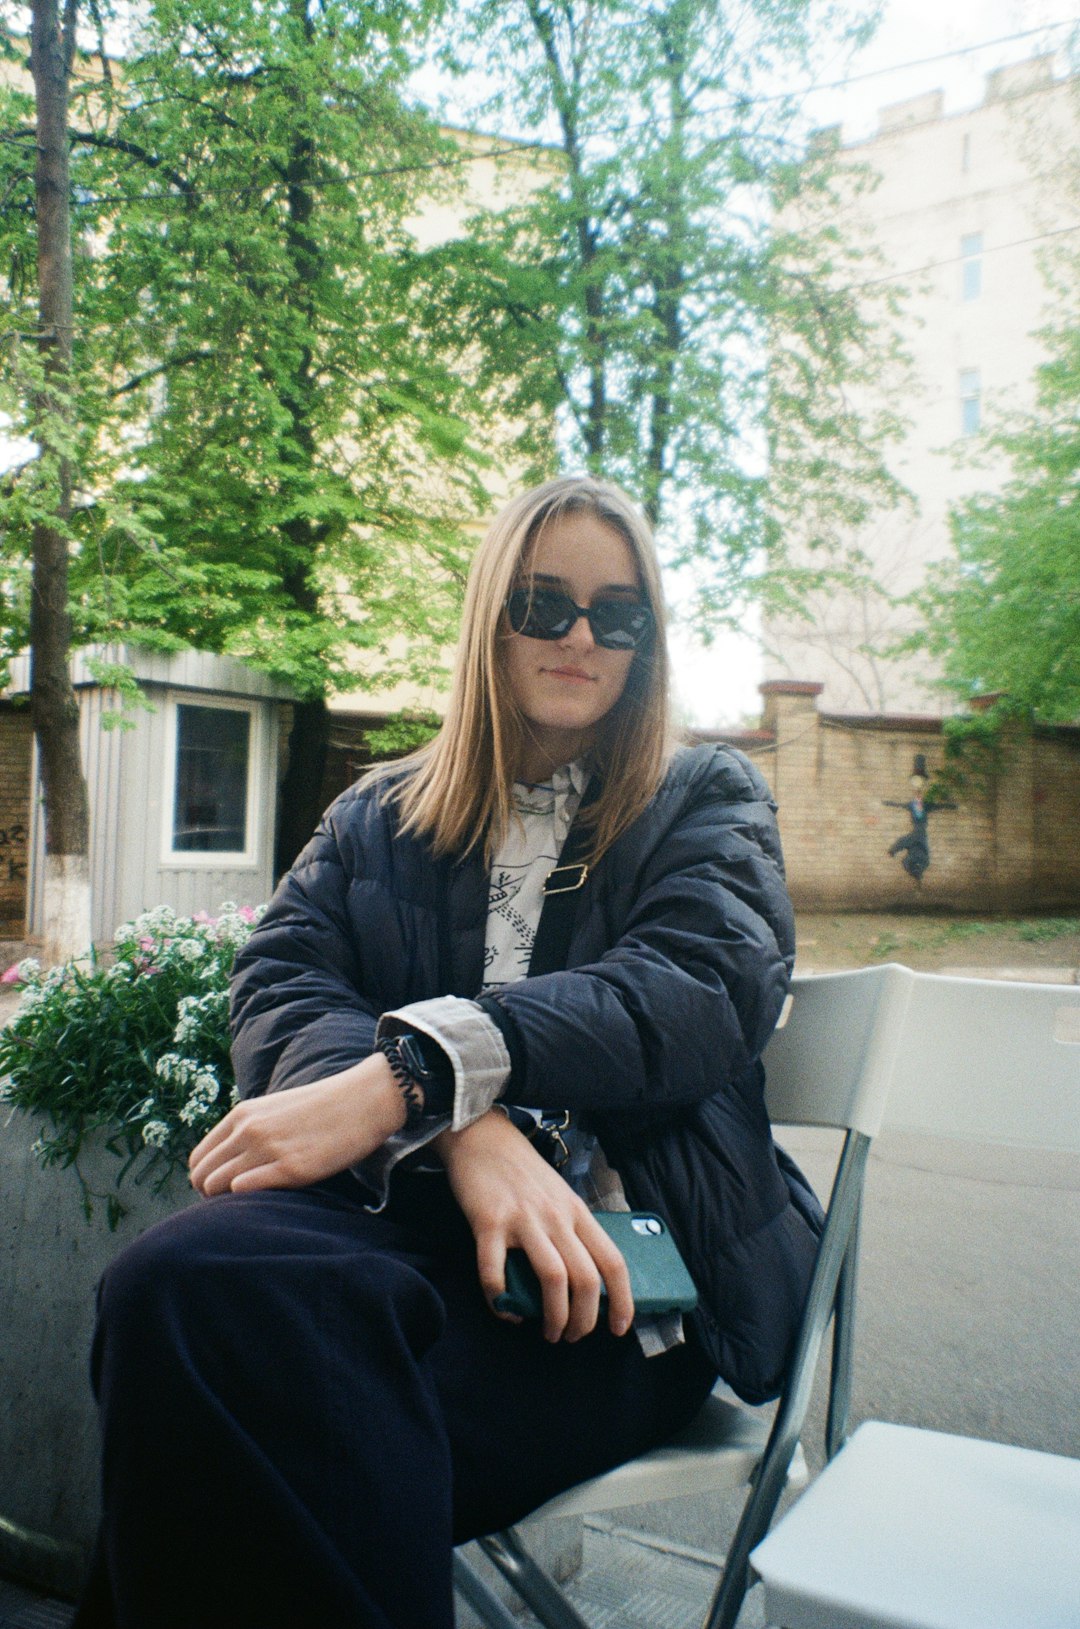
{"x":565,"y":687}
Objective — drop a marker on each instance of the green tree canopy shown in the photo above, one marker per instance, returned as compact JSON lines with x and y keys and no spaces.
{"x":689,"y":309}
{"x":280,"y":432}
{"x":1004,"y":615}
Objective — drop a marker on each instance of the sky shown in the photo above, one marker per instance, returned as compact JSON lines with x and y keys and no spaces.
{"x":719,"y":687}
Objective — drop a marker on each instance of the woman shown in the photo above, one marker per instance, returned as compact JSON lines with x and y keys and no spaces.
{"x":307,"y":1396}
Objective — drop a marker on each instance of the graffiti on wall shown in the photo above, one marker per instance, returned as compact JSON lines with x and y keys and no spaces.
{"x":13,"y":841}
{"x":914,"y":844}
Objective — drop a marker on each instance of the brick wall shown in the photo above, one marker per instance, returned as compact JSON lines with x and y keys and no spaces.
{"x":15,"y":743}
{"x":1010,"y":845}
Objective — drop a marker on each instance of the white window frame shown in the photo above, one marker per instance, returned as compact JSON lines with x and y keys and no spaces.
{"x":214,"y":859}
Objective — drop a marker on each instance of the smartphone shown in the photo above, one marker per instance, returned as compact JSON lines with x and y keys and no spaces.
{"x":659,"y":1281}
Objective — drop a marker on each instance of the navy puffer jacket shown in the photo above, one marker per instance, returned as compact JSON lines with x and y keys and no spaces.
{"x":678,"y":964}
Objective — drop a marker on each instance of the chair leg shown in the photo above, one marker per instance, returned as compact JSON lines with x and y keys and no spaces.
{"x":539,"y":1592}
{"x":758,"y":1511}
{"x":836,"y":1424}
{"x":481,"y":1597}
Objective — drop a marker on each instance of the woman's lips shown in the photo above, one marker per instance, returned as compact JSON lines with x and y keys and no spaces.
{"x":575,"y":675}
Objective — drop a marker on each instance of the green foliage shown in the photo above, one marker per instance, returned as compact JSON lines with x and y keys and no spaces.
{"x":134,"y":1045}
{"x":278,"y":430}
{"x":401,"y":734}
{"x":679,"y":293}
{"x":1004,"y":615}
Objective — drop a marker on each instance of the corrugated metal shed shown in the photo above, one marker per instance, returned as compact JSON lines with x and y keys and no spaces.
{"x":130,"y":777}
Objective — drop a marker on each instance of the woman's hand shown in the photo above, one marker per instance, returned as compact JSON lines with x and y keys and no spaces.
{"x":288,"y":1139}
{"x":512,"y":1197}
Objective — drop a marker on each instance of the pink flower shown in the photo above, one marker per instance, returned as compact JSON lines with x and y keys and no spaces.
{"x":246,"y":913}
{"x":11,"y":976}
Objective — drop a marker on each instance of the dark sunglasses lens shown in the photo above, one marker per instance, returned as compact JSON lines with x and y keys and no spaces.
{"x":544,"y":613}
{"x":619,"y":625}
{"x":541,"y":613}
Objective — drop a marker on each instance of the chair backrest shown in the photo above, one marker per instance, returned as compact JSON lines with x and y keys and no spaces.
{"x":990,"y":1061}
{"x":833,"y":1060}
{"x":983,"y":1059}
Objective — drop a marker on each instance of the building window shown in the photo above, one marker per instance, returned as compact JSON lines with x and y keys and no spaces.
{"x":210,"y":783}
{"x":970,"y":401}
{"x":971,"y":248}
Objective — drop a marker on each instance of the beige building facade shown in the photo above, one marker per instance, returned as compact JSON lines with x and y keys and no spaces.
{"x":965,"y":207}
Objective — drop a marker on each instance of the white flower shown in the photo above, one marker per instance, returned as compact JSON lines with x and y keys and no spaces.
{"x":39,"y":1147}
{"x":124,"y":934}
{"x":7,"y":1089}
{"x":155,"y":1134}
{"x":190,"y":950}
{"x":118,"y":971}
{"x":29,"y":968}
{"x":172,"y":1067}
{"x":205,"y":1089}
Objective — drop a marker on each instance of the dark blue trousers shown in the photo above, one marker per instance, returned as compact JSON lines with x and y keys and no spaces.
{"x":305,"y":1406}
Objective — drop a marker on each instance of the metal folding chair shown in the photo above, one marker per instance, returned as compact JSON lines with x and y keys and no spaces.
{"x":915,"y":1529}
{"x":830,"y":1065}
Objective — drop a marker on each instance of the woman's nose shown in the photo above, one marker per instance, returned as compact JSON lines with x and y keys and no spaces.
{"x":579,"y":635}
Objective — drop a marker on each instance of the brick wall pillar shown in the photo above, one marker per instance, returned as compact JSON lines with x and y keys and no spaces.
{"x":789,"y":713}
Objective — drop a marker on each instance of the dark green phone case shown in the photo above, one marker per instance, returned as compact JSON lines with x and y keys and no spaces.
{"x":659,"y":1280}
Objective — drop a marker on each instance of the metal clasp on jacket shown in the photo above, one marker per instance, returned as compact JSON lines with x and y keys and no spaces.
{"x":568,"y":887}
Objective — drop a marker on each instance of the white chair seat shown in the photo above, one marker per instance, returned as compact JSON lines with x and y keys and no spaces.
{"x":920,"y":1530}
{"x":720,"y":1448}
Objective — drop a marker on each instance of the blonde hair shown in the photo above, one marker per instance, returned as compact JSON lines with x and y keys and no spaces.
{"x":459,"y":793}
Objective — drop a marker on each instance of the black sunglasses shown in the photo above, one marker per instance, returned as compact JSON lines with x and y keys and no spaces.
{"x":546,"y":613}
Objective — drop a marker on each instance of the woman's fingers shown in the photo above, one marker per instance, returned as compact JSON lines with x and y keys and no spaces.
{"x":616,"y":1276}
{"x":514,"y":1199}
{"x":289,"y":1139}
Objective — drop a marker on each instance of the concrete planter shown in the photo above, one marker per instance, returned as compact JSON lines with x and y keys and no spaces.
{"x":50,"y":1261}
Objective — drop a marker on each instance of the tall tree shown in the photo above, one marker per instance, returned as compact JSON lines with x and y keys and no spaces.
{"x":54,"y":708}
{"x":282,"y":402}
{"x":707,"y":344}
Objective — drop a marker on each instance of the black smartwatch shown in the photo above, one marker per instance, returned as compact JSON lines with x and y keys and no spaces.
{"x":423,"y":1071}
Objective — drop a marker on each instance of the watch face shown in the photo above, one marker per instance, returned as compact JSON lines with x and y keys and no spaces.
{"x":413,"y":1058}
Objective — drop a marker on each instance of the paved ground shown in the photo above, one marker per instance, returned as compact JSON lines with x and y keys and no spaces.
{"x":969,"y":1300}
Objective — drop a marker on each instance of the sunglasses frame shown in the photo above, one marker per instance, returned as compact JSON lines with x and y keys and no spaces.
{"x":531,"y":595}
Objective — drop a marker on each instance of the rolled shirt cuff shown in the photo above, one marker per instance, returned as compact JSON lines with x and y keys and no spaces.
{"x":471,"y":1041}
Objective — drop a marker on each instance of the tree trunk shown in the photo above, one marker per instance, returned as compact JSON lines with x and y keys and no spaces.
{"x":54,"y":710}
{"x":300,"y":803}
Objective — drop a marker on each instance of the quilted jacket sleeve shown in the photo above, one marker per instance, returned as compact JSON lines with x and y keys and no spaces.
{"x":683,"y":1003}
{"x":297,"y":1011}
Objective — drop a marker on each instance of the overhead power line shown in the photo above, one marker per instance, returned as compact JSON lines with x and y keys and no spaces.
{"x":923,"y":62}
{"x":955,"y":260}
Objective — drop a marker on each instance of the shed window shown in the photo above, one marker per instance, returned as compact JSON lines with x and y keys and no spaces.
{"x":213,"y":759}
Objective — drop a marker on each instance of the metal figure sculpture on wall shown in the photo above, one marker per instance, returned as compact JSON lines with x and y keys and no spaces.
{"x":914,"y":845}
